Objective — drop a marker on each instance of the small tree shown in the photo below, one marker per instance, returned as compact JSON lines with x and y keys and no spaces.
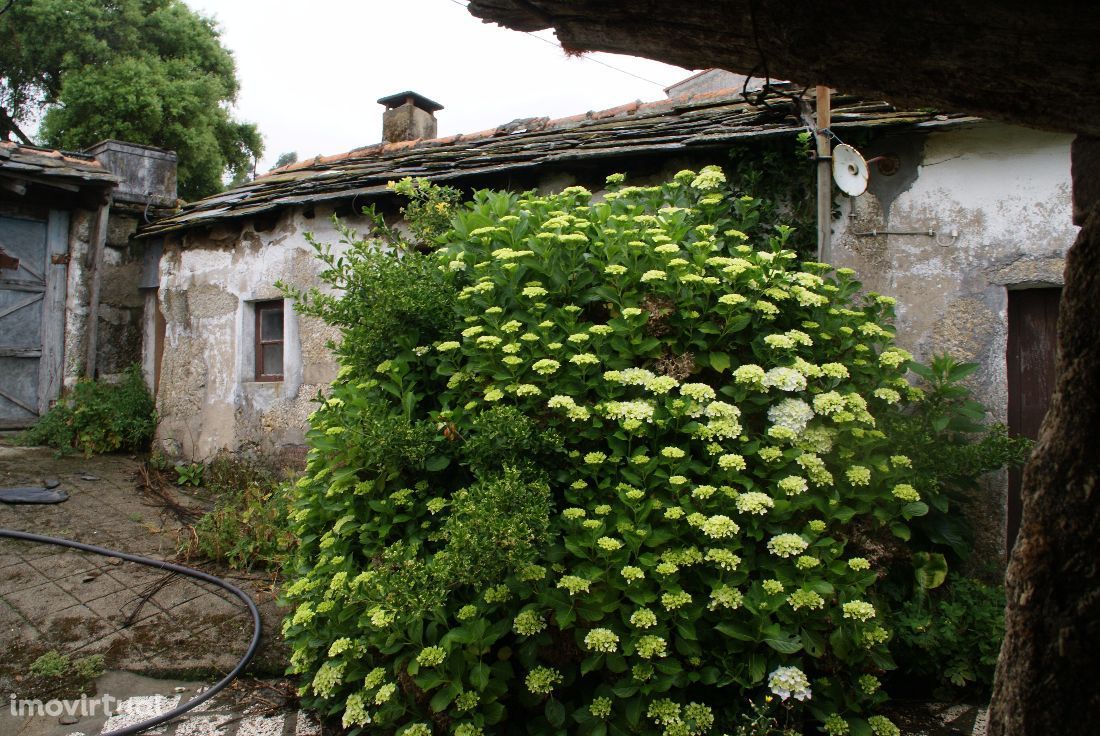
{"x":145,"y":71}
{"x":286,"y":159}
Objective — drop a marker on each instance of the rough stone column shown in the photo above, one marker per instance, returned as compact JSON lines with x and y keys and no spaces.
{"x":1046,"y":675}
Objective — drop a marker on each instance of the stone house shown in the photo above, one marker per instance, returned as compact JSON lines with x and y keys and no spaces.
{"x":965,"y":222}
{"x":70,"y":303}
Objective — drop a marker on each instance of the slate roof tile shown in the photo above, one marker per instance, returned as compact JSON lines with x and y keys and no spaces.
{"x":697,"y":122}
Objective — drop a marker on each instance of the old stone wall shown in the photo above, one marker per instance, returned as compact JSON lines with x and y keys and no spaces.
{"x":997,"y":198}
{"x":118,"y":343}
{"x":118,"y":335}
{"x":207,"y":397}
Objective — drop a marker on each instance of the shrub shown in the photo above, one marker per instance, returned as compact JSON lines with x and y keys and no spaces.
{"x":952,"y":636}
{"x":383,"y":301}
{"x":948,"y":630}
{"x":639,"y":483}
{"x":951,"y":449}
{"x":98,"y":417}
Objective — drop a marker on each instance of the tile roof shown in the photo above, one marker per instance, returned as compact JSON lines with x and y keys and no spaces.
{"x":667,"y":127}
{"x":49,"y":166}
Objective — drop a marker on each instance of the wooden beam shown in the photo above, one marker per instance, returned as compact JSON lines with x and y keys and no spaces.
{"x":824,"y":175}
{"x":95,"y":266}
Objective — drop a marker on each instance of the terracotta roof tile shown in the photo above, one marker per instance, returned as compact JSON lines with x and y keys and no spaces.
{"x":627,"y":109}
{"x":33,"y":161}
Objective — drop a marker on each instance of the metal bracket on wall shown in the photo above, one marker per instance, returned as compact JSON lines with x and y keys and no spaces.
{"x":60,"y":259}
{"x":930,"y":232}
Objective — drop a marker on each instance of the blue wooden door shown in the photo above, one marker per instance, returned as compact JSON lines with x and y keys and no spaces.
{"x":31,"y":315}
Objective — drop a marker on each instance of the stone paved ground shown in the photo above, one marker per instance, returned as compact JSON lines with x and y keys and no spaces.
{"x":140,"y":619}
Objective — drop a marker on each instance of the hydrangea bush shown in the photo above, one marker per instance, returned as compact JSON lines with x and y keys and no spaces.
{"x":632,"y":481}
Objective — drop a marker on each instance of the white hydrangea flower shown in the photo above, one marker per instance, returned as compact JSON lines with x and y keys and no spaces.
{"x":785,"y":379}
{"x":793,"y":414}
{"x":788,"y":682}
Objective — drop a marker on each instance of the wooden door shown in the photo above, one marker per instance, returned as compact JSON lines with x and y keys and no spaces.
{"x":32,"y":303}
{"x":1032,"y":346}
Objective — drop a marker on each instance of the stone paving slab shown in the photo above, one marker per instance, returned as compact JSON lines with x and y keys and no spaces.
{"x":142,"y":620}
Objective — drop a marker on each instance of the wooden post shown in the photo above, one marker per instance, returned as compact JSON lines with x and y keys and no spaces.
{"x":824,"y":176}
{"x":95,"y":266}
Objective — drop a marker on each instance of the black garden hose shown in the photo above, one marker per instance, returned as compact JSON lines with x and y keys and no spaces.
{"x":197,"y":574}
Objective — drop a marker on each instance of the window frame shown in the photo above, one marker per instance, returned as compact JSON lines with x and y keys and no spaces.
{"x":259,"y":343}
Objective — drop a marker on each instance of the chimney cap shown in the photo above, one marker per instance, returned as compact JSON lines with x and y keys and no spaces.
{"x":392,"y":101}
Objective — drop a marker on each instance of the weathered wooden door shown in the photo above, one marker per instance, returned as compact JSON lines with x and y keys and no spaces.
{"x":1032,"y":346}
{"x":32,"y":317}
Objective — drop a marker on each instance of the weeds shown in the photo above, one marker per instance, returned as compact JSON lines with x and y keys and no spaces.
{"x":59,"y":674}
{"x":247,"y":527}
{"x":190,"y":474}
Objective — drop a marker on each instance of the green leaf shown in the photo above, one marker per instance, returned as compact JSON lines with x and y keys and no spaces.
{"x":917,"y":508}
{"x":720,"y":361}
{"x":591,"y":662}
{"x":444,"y":697}
{"x":738,"y":323}
{"x":860,"y":727}
{"x":843,"y":514}
{"x":813,"y":642}
{"x":930,"y":569}
{"x":686,"y":629}
{"x":634,"y":711}
{"x":734,"y":631}
{"x":758,"y":665}
{"x":564,"y":616}
{"x":616,"y":663}
{"x":785,"y":645}
{"x":624,"y":691}
{"x":840,"y":644}
{"x":901,"y":531}
{"x":479,"y":675}
{"x":949,"y":530}
{"x":709,"y":675}
{"x":555,"y":713}
{"x":436,"y":463}
{"x":494,"y":712}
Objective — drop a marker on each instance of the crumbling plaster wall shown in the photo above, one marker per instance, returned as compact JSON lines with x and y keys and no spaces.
{"x":1005,"y":191}
{"x":77,"y":295}
{"x":207,"y":398}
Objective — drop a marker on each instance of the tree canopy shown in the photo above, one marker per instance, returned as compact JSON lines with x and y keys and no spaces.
{"x":146,"y":71}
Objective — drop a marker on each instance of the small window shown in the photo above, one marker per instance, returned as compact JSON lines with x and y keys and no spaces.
{"x":269,"y":340}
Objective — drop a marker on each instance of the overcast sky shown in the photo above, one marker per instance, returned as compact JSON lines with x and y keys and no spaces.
{"x":312,"y":70}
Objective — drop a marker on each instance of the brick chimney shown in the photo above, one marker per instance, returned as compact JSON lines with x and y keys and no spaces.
{"x":408,"y":116}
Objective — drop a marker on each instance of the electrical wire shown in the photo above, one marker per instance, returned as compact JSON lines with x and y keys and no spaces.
{"x":583,"y":56}
{"x":160,"y":564}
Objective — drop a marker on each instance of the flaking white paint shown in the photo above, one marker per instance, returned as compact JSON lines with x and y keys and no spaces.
{"x":1006,"y":192}
{"x":219,"y":280}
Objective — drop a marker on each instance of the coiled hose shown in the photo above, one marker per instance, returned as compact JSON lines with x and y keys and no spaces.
{"x":159,"y":564}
